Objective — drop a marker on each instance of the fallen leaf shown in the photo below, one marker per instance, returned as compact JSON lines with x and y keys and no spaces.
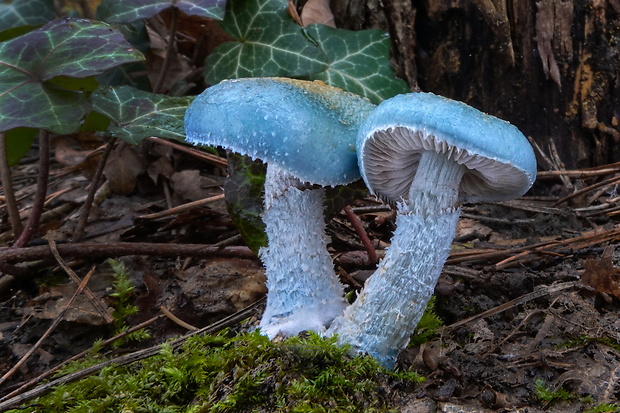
{"x":317,"y":11}
{"x":122,"y":170}
{"x":601,"y":274}
{"x":189,"y":185}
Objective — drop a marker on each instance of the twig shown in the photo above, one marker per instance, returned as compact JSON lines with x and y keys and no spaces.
{"x":105,"y":250}
{"x":584,"y":240}
{"x":101,"y":309}
{"x":559,"y":165}
{"x":505,"y":221}
{"x":9,"y":193}
{"x":51,"y":328}
{"x":361,"y":233}
{"x":580,"y":173}
{"x":184,"y":207}
{"x":170,"y":48}
{"x":177,"y":320}
{"x":88,"y":203}
{"x":130,"y":358}
{"x":207,"y":157}
{"x":611,"y":181}
{"x":32,"y":226}
{"x":541,"y":292}
{"x":51,"y":371}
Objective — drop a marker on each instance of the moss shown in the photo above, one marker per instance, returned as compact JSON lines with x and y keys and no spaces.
{"x":545,"y":394}
{"x":242,"y":373}
{"x":428,"y":325}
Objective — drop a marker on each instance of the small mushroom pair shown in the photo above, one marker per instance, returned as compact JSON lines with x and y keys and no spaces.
{"x":426,"y":153}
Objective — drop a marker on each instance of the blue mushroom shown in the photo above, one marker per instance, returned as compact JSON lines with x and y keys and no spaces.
{"x":428,"y":154}
{"x":305,"y":132}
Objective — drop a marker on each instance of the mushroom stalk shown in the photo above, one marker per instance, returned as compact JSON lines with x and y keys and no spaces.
{"x":385,"y":314}
{"x":304,"y":291}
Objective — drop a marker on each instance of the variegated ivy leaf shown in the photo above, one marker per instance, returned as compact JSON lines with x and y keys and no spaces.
{"x":16,"y":13}
{"x":268,"y":43}
{"x":136,"y":114}
{"x":358,"y":62}
{"x":41,"y":72}
{"x":126,"y":11}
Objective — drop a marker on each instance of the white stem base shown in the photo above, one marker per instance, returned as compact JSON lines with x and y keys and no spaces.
{"x":385,"y":314}
{"x":304,"y":292}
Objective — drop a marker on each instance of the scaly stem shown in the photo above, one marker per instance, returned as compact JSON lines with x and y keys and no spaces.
{"x":386,"y":312}
{"x":303,"y":290}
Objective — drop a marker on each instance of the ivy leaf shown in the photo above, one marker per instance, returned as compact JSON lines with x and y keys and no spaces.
{"x":18,"y":13}
{"x":268,"y":43}
{"x":74,"y":48}
{"x":136,"y":114}
{"x":18,"y":143}
{"x":358,"y":62}
{"x":126,"y":11}
{"x":244,"y":198}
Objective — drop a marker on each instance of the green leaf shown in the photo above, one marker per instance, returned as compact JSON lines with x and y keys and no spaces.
{"x":18,"y":142}
{"x":136,"y":114}
{"x":125,"y":11}
{"x":17,"y":13}
{"x":358,"y":62}
{"x":244,"y":198}
{"x":66,"y":47}
{"x":268,"y":43}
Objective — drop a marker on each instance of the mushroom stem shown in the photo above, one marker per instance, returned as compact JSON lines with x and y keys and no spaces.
{"x":385,"y":314}
{"x":304,"y":292}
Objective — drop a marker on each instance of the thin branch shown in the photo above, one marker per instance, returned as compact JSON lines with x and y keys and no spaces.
{"x":184,"y":207}
{"x":540,"y":292}
{"x":361,"y":233}
{"x":88,"y":203}
{"x":170,"y":50}
{"x":95,"y":250}
{"x":197,"y":153}
{"x":101,"y":309}
{"x":32,"y":225}
{"x":9,"y":194}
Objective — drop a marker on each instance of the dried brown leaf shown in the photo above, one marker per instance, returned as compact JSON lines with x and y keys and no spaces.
{"x":122,"y":170}
{"x":601,"y":274}
{"x":318,"y":11}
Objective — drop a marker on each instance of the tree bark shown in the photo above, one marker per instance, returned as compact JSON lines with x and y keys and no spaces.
{"x":551,"y":67}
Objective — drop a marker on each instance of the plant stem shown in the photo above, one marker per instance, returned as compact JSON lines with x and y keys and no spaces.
{"x":170,"y":50}
{"x":32,"y":226}
{"x":88,"y":203}
{"x":9,"y":194}
{"x":94,"y":250}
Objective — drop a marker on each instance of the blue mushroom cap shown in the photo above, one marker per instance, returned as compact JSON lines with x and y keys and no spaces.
{"x":500,"y":161}
{"x":306,"y":128}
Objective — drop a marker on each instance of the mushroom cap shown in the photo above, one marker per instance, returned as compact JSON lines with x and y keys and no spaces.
{"x":500,"y":161}
{"x":307,"y":128}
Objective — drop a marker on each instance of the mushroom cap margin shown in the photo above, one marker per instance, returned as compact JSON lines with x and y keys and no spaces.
{"x":500,"y":161}
{"x":307,"y":128}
